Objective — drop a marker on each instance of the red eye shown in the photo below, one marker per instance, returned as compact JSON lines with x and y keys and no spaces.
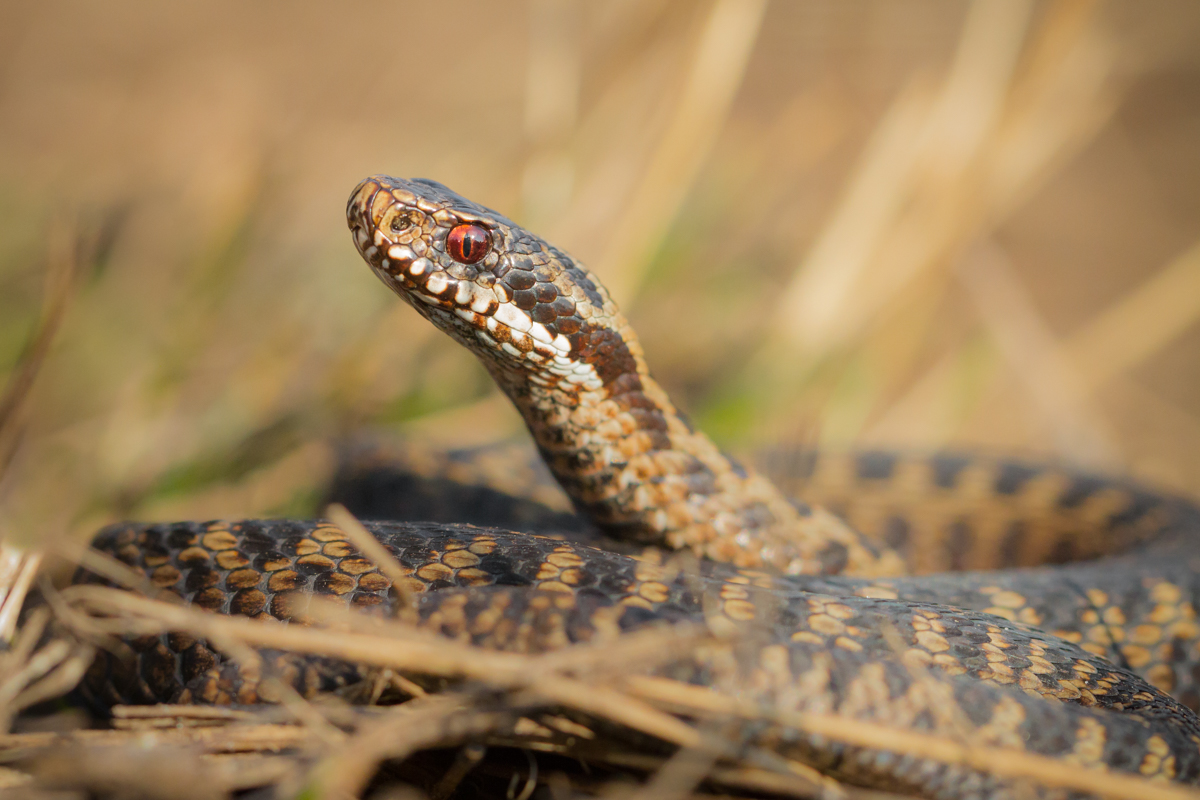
{"x":467,"y":243}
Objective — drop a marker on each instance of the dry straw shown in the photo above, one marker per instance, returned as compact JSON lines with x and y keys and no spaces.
{"x":605,"y":681}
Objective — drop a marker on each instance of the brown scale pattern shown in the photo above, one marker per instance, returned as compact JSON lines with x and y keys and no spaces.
{"x":547,"y":331}
{"x":821,"y":645}
{"x":941,"y":512}
{"x":1138,"y":605}
{"x":1062,"y":661}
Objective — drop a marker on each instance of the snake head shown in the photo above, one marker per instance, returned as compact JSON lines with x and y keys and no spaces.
{"x":506,"y":294}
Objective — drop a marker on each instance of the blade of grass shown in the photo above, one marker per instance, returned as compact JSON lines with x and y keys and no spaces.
{"x":713,"y":79}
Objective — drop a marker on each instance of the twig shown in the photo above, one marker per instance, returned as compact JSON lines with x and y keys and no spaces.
{"x":20,"y":569}
{"x":370,"y":547}
{"x":109,"y":568}
{"x":70,"y":251}
{"x":420,"y":654}
{"x":436,"y":720}
{"x":714,"y":77}
{"x":994,"y":760}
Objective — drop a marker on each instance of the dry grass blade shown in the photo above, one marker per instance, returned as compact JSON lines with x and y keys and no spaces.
{"x":418,"y":653}
{"x":304,"y":712}
{"x":1061,"y":375}
{"x":111,"y":569}
{"x":370,"y":547}
{"x":713,"y":79}
{"x":678,"y":777}
{"x":443,"y":720}
{"x":239,"y":738}
{"x":71,"y":252}
{"x":17,"y":571}
{"x":799,"y":781}
{"x":53,"y":672}
{"x":63,"y":265}
{"x":816,"y":295}
{"x":1140,"y":324}
{"x":631,"y":652}
{"x":869,"y":298}
{"x":35,"y":669}
{"x":1030,"y":347}
{"x":536,"y":680}
{"x":174,"y":716}
{"x":994,"y":760}
{"x":647,"y":705}
{"x":552,"y":84}
{"x":911,"y":186}
{"x":149,"y":769}
{"x":1065,"y":95}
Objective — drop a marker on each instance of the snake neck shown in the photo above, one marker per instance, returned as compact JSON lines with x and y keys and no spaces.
{"x":556,"y":343}
{"x":631,"y":461}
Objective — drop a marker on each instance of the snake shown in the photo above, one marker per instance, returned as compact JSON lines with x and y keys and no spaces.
{"x":1070,"y":632}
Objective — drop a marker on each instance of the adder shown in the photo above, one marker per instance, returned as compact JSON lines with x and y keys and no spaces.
{"x":1095,"y":661}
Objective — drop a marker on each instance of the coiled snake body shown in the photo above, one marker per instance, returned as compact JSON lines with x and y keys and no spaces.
{"x":1095,"y":662}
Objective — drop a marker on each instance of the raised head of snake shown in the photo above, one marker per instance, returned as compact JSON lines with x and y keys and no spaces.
{"x":552,"y":338}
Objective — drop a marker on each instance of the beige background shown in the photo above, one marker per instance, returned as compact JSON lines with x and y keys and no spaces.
{"x":916,"y":224}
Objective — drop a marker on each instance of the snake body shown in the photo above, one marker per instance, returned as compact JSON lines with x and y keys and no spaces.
{"x":1087,"y":661}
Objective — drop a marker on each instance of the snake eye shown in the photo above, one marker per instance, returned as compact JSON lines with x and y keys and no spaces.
{"x":467,"y":243}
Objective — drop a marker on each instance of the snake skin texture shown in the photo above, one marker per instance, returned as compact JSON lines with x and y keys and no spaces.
{"x":1095,"y":662}
{"x":556,"y":344}
{"x":1128,"y":560}
{"x":819,"y":642}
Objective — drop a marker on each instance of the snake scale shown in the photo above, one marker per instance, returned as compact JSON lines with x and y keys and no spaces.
{"x":1095,"y":661}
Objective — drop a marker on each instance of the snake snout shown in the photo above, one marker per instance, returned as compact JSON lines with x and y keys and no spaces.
{"x":379,"y":219}
{"x":359,"y":216}
{"x":359,"y":205}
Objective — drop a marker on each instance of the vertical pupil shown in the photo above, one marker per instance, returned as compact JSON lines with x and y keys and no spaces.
{"x":468,"y":243}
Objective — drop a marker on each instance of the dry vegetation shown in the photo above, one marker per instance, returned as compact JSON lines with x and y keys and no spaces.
{"x":916,"y":224}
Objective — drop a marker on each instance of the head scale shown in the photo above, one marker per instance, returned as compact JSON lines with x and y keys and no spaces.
{"x":507,"y":295}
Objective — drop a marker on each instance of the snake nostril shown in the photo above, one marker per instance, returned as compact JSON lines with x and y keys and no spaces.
{"x":402,"y":222}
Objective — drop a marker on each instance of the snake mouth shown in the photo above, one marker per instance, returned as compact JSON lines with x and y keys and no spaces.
{"x":381,"y":216}
{"x":420,"y":238}
{"x":359,"y":218}
{"x":394,"y":230}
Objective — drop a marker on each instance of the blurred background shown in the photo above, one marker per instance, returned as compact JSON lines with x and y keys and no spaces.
{"x":925,"y":224}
